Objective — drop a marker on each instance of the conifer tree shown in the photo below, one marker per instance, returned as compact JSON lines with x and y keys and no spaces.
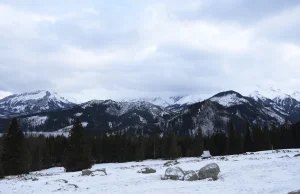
{"x":248,"y":142}
{"x":220,"y":141}
{"x":211,"y":145}
{"x":14,"y":153}
{"x":231,"y":139}
{"x":1,"y":165}
{"x":198,"y":147}
{"x":36,"y":163}
{"x":165,"y":145}
{"x":46,"y":158}
{"x":155,"y":141}
{"x":173,"y":151}
{"x":140,"y":149}
{"x":78,"y":153}
{"x":267,"y":140}
{"x":258,"y":139}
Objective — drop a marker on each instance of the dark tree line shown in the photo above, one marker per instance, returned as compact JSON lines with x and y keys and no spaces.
{"x":21,"y":154}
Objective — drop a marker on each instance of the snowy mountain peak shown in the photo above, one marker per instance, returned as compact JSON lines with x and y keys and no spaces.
{"x":173,"y":100}
{"x":158,"y":101}
{"x":271,"y":93}
{"x":296,"y":95}
{"x":190,"y":99}
{"x":257,"y":96}
{"x":229,"y":98}
{"x":33,"y":102}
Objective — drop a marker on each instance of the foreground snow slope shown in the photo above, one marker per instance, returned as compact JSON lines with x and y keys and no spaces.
{"x":261,"y":172}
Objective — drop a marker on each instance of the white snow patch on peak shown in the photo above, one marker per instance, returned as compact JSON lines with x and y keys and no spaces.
{"x":26,"y":96}
{"x":190,"y":99}
{"x":271,"y":93}
{"x":158,"y":101}
{"x":257,"y":96}
{"x":37,"y":101}
{"x":92,"y":103}
{"x":56,"y":97}
{"x":164,"y":102}
{"x":229,"y":100}
{"x":296,"y":95}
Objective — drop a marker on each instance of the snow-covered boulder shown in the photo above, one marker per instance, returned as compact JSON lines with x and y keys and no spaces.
{"x":86,"y":173}
{"x":206,"y":154}
{"x":174,"y":173}
{"x":294,"y":192}
{"x":297,"y":155}
{"x":171,"y":163}
{"x":190,"y":176}
{"x":147,"y":170}
{"x":209,"y":171}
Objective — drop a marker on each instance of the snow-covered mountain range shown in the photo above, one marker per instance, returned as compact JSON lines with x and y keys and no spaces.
{"x":47,"y":111}
{"x":33,"y":102}
{"x":171,"y":101}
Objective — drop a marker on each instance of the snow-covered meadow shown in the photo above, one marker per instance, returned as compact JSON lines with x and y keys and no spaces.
{"x":261,"y":172}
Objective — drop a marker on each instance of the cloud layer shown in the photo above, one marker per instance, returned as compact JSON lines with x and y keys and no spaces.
{"x":117,"y":49}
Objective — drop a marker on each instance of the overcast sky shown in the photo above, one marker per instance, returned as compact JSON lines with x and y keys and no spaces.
{"x":116,"y":49}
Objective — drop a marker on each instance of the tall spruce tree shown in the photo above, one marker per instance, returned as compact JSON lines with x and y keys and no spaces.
{"x":220,"y":141}
{"x":173,"y":149}
{"x":78,"y":154}
{"x":140,"y":149}
{"x":267,"y":140}
{"x":248,"y":142}
{"x":231,"y":139}
{"x":14,"y":157}
{"x":46,"y":158}
{"x":36,"y":162}
{"x":258,"y":138}
{"x":198,"y":147}
{"x":211,"y":145}
{"x":1,"y":164}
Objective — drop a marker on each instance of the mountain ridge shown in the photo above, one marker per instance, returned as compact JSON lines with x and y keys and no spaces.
{"x":141,"y":116}
{"x":33,"y":102}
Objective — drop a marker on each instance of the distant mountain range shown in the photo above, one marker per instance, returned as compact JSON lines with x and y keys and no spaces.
{"x":32,"y":102}
{"x":47,"y":112}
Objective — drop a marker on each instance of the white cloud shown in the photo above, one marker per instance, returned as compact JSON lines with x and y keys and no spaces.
{"x":4,"y":94}
{"x":150,"y":49}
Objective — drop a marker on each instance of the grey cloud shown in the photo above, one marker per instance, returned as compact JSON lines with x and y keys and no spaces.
{"x":119,"y":49}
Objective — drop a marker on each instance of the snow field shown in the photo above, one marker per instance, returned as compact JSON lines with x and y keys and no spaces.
{"x":258,"y":173}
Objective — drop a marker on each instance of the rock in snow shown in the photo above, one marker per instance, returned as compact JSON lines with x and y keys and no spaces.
{"x":175,"y":173}
{"x":147,"y":170}
{"x":90,"y":172}
{"x":86,"y":173}
{"x":171,"y":163}
{"x":190,"y":176}
{"x":209,"y":171}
